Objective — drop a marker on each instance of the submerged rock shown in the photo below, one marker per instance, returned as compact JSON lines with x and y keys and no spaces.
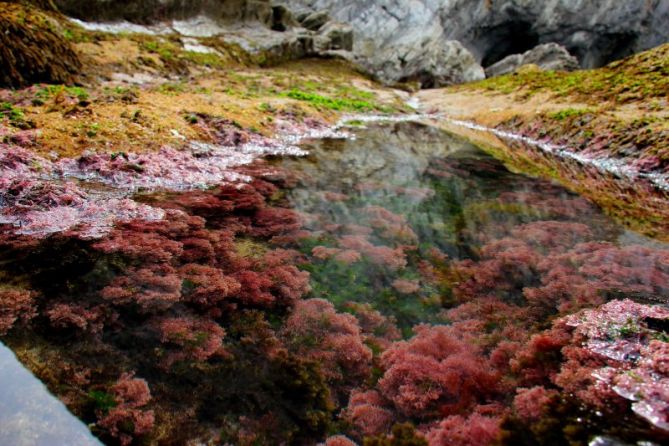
{"x":549,"y":56}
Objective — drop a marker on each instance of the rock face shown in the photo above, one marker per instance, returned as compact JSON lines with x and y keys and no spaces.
{"x":268,"y":31}
{"x":595,"y":31}
{"x":549,"y":56}
{"x":417,"y":40}
{"x":433,"y":65}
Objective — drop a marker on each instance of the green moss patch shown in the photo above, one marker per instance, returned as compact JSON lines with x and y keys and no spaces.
{"x":643,"y":76}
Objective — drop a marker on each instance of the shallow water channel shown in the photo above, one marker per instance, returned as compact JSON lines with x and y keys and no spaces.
{"x":440,"y":291}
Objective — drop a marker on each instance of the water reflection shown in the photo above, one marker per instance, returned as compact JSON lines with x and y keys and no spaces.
{"x":30,"y":415}
{"x":412,"y":188}
{"x":450,"y":191}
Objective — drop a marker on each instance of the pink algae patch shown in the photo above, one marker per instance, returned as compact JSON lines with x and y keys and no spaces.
{"x":131,"y":395}
{"x":635,"y":365}
{"x":39,"y":196}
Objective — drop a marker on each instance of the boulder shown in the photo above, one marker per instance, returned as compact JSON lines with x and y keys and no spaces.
{"x":338,"y":36}
{"x":435,"y":65}
{"x":315,"y":20}
{"x":548,"y":57}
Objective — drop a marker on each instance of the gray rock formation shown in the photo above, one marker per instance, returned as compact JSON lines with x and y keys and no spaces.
{"x":315,"y":20}
{"x":595,"y":31}
{"x":269,"y":31}
{"x":549,"y":56}
{"x":407,"y":40}
{"x":433,"y":64}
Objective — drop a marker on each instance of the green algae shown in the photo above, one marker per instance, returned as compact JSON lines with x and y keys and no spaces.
{"x":337,"y":104}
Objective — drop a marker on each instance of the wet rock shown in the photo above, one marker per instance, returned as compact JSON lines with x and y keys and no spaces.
{"x":549,"y":56}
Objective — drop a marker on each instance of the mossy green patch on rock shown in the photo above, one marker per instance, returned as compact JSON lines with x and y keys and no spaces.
{"x":33,"y":48}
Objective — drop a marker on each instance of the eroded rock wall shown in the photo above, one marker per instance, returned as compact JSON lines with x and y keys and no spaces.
{"x":595,"y":31}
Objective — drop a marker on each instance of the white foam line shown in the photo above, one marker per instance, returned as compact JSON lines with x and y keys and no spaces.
{"x":613,"y":166}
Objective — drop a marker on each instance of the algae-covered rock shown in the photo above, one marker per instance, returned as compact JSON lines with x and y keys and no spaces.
{"x":33,"y":48}
{"x":46,"y":5}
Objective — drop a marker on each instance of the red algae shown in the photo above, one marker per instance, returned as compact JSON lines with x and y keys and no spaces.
{"x":39,"y":196}
{"x":15,"y":305}
{"x":436,"y":372}
{"x":382,"y":319}
{"x":334,"y":340}
{"x":128,"y":420}
{"x":633,"y":363}
{"x":471,"y":431}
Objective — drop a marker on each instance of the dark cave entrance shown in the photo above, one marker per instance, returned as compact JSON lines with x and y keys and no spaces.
{"x":507,"y":39}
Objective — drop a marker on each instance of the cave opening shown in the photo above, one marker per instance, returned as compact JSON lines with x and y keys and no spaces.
{"x":510,"y":38}
{"x":278,"y":18}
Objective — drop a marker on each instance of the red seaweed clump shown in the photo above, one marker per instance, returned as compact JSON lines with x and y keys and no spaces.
{"x":334,"y":340}
{"x":15,"y":305}
{"x":366,"y":411}
{"x":391,"y":258}
{"x":474,"y":430}
{"x":558,"y":269}
{"x":436,"y":373}
{"x":128,"y":419}
{"x":193,"y":338}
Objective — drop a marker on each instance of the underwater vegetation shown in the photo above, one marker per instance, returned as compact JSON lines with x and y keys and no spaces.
{"x":337,"y":300}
